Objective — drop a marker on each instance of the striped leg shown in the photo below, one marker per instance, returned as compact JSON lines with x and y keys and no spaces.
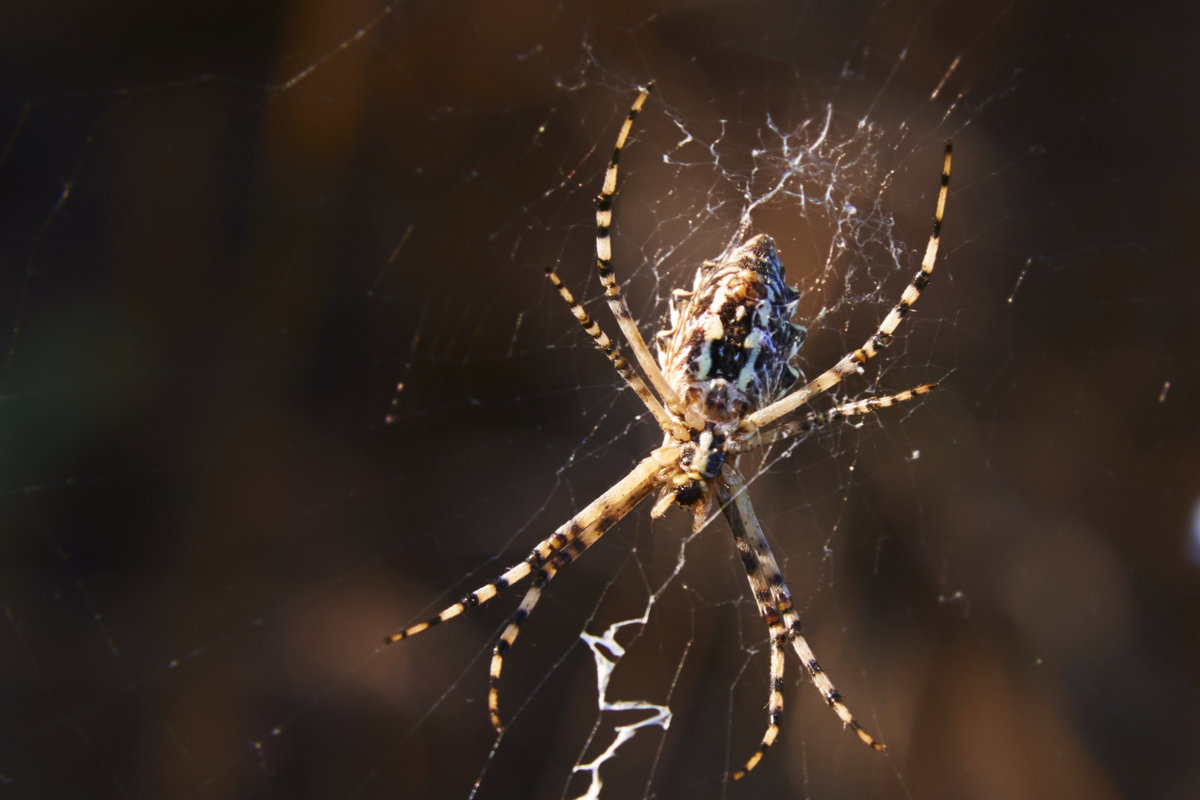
{"x":852,"y":362}
{"x":593,"y":329}
{"x":766,"y":598}
{"x":612,"y":290}
{"x":509,"y":637}
{"x":819,"y":419}
{"x":604,"y":511}
{"x":483,"y":594}
{"x":757,"y":556}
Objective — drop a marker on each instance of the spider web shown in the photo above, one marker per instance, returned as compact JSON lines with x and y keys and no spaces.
{"x":237,"y":240}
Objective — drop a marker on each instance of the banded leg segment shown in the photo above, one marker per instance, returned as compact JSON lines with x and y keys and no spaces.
{"x":593,"y":329}
{"x":483,"y":594}
{"x":509,"y":637}
{"x":819,"y":419}
{"x":756,"y":555}
{"x":760,"y":583}
{"x":612,"y":290}
{"x":852,"y":363}
{"x":605,"y":510}
{"x":601,"y":515}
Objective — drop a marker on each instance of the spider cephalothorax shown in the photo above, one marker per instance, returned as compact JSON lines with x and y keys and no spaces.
{"x":723,"y":385}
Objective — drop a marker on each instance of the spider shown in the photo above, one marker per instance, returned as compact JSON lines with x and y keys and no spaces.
{"x":722,"y":377}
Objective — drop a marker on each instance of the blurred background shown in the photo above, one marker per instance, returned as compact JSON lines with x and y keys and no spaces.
{"x":229,"y":232}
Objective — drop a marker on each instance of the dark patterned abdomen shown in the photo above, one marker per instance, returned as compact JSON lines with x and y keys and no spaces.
{"x":731,"y":340}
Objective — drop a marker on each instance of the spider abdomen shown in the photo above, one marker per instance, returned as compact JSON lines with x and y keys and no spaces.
{"x":731,"y":340}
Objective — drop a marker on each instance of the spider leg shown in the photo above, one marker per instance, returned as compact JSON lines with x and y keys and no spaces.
{"x":593,"y":522}
{"x":593,"y":329}
{"x":767,"y":607}
{"x":819,"y":419}
{"x":776,"y":601}
{"x":612,"y":290}
{"x":605,"y":511}
{"x":510,"y":636}
{"x":774,"y":703}
{"x":852,"y":362}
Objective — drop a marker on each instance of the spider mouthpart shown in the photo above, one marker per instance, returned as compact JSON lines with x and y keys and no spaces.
{"x":689,"y":493}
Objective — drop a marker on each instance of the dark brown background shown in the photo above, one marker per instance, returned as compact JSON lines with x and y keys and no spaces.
{"x":206,"y":528}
